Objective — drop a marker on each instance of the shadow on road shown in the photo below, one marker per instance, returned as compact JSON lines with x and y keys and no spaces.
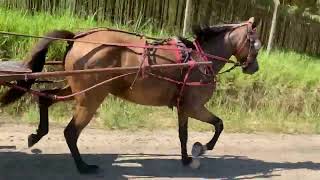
{"x":18,"y":165}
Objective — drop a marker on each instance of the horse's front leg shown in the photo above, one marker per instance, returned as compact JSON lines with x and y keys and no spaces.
{"x":201,"y":113}
{"x":183,"y":136}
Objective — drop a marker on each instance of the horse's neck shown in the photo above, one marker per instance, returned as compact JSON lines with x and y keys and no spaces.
{"x":217,"y":46}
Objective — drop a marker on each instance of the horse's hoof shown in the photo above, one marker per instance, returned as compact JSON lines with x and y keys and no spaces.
{"x":195,"y":164}
{"x":32,"y":140}
{"x":88,"y":169}
{"x":186,"y":161}
{"x":198,"y":149}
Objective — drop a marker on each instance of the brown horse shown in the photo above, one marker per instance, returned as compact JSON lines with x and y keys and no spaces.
{"x":222,"y":41}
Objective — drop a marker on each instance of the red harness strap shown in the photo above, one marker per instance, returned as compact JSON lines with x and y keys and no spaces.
{"x":145,"y":60}
{"x":67,"y":97}
{"x":202,"y":54}
{"x":177,"y":51}
{"x":200,"y":50}
{"x":191,"y":64}
{"x":178,"y":82}
{"x":186,"y":76}
{"x":143,"y":65}
{"x":31,"y":91}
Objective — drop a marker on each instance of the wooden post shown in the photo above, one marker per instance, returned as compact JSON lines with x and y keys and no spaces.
{"x":186,"y":18}
{"x":273,"y":25}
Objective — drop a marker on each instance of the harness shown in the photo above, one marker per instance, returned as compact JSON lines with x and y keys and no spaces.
{"x":182,"y":55}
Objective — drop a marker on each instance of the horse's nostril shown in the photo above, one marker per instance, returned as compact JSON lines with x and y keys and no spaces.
{"x":251,"y":68}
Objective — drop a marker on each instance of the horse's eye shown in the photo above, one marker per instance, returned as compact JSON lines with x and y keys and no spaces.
{"x":257,"y":45}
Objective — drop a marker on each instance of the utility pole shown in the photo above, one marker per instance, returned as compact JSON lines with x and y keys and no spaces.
{"x":273,"y":25}
{"x":186,"y":18}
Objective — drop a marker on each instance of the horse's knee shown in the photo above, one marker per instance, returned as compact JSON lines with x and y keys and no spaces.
{"x":45,"y":101}
{"x":218,"y":124}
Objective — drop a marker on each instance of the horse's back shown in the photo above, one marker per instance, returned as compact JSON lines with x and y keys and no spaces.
{"x":147,"y":91}
{"x":99,"y":54}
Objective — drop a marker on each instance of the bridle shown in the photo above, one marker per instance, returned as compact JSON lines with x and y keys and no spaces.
{"x":251,"y":37}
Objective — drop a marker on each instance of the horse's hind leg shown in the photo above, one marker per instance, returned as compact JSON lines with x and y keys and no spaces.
{"x":85,"y":109}
{"x":44,"y":104}
{"x":43,"y":127}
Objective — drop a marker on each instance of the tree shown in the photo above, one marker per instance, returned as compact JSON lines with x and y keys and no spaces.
{"x":311,"y":6}
{"x":186,"y":17}
{"x":273,"y":25}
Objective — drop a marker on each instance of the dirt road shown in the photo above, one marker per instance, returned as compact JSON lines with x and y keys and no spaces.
{"x":148,"y":155}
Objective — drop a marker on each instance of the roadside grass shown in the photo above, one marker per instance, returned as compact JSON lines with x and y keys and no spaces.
{"x":282,"y":97}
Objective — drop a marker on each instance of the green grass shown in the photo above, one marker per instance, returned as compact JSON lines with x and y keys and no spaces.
{"x":41,"y":23}
{"x":282,"y":97}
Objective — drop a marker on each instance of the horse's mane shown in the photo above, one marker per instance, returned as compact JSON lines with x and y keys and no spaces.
{"x":210,"y":31}
{"x":188,"y":43}
{"x":203,"y":32}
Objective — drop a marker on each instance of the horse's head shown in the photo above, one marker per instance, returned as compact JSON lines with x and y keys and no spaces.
{"x":225,"y":40}
{"x":246,"y":45}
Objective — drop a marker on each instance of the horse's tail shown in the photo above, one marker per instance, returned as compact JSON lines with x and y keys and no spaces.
{"x":35,"y":61}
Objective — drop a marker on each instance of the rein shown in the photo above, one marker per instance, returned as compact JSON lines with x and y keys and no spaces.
{"x":121,"y":45}
{"x":176,"y":48}
{"x":67,"y":97}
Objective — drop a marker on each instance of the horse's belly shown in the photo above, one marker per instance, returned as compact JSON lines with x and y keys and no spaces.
{"x":153,"y":93}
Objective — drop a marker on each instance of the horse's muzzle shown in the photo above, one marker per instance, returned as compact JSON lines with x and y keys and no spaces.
{"x":251,"y":68}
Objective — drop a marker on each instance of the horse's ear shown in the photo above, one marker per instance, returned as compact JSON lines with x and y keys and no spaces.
{"x":251,"y":20}
{"x":256,"y":23}
{"x":196,"y":29}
